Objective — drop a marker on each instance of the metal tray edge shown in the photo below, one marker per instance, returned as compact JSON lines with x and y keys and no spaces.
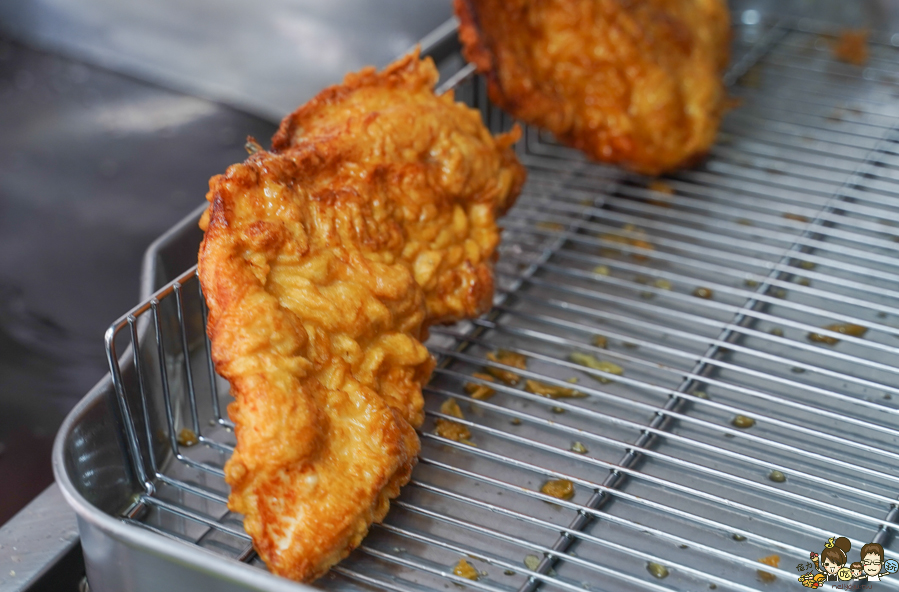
{"x":119,"y":533}
{"x":149,"y":266}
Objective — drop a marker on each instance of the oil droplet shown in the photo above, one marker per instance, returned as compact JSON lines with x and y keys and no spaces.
{"x":657,"y":570}
{"x":777,"y":476}
{"x":742,"y":422}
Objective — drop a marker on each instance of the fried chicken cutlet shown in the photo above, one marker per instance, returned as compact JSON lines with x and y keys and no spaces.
{"x":323,"y":264}
{"x":631,"y":82}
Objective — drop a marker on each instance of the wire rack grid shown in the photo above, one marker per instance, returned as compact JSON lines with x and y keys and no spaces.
{"x":710,"y":362}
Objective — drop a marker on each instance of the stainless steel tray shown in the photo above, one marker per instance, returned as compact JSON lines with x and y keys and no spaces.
{"x":791,"y":224}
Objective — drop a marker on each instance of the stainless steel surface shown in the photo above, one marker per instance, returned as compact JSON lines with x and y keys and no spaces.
{"x":264,"y":57}
{"x":791,"y":223}
{"x":35,"y":541}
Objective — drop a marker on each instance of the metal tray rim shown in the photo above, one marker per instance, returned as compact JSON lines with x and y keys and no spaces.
{"x":148,"y":266}
{"x":149,"y":541}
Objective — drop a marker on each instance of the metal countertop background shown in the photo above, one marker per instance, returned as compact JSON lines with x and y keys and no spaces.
{"x":93,"y":166}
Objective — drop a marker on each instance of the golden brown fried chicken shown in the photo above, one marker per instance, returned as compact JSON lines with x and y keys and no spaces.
{"x":323,"y":265}
{"x":632,"y":82}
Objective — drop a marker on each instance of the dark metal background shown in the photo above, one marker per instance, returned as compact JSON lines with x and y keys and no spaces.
{"x":93,"y":166}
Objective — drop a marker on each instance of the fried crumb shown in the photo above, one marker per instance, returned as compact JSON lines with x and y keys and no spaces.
{"x":638,"y":241}
{"x":451,"y":407}
{"x":558,"y":488}
{"x":578,"y":448}
{"x":481,"y":392}
{"x":773,"y":561}
{"x":465,"y":570}
{"x":664,"y":189}
{"x":550,"y":391}
{"x":852,"y":47}
{"x":507,"y":358}
{"x":844,"y":328}
{"x":662,"y":284}
{"x":452,"y":430}
{"x":596,"y":364}
{"x":187,"y":437}
{"x":531,"y":562}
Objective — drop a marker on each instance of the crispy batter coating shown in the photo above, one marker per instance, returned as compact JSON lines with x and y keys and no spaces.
{"x":323,"y":264}
{"x":631,"y":82}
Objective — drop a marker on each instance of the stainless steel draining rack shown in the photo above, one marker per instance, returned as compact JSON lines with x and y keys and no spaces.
{"x":725,"y":430}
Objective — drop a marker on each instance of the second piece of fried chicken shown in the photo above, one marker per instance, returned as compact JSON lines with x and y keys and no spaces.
{"x":323,"y":265}
{"x":631,"y":82}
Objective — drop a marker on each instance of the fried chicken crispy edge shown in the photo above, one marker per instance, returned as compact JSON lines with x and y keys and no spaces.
{"x":633,"y":83}
{"x":323,"y":266}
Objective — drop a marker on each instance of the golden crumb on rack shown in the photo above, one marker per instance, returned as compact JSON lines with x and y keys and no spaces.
{"x":187,"y":437}
{"x":558,"y":488}
{"x":464,"y":569}
{"x":768,"y":577}
{"x":507,"y":358}
{"x":597,"y":364}
{"x":551,"y":391}
{"x":639,"y":240}
{"x":851,"y":47}
{"x":661,"y":187}
{"x":665,"y":189}
{"x":531,"y":562}
{"x":452,"y":430}
{"x":844,"y":328}
{"x":479,"y":391}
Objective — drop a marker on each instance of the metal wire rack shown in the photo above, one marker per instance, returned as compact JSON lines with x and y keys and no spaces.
{"x":726,"y":423}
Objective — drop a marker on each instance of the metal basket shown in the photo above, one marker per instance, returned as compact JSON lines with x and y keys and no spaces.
{"x":727,"y":425}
